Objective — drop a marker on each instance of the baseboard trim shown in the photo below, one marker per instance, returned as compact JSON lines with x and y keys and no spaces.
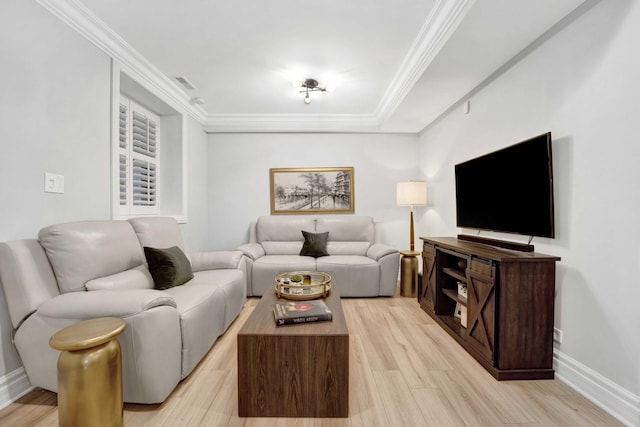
{"x":616,"y":400}
{"x":13,"y":386}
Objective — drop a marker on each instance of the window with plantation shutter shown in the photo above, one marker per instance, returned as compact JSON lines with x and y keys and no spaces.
{"x":139,"y":160}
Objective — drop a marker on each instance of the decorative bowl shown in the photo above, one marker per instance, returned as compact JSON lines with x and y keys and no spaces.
{"x":314,"y":284}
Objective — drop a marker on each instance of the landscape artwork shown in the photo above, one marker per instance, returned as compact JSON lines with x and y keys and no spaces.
{"x":311,"y":190}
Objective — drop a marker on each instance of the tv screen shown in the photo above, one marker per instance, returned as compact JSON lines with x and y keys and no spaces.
{"x":509,"y":190}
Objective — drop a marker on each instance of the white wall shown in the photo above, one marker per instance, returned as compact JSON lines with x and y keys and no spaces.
{"x":195,"y":231}
{"x":239,"y":177}
{"x":55,"y":117}
{"x":582,"y":85}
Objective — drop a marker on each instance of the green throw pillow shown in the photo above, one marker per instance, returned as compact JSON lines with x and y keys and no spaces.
{"x":168,"y":267}
{"x":315,"y":244}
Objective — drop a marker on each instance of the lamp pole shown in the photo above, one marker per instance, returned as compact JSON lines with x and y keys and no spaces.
{"x":411,"y":231}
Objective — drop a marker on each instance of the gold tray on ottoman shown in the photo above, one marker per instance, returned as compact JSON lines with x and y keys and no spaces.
{"x":315,"y":284}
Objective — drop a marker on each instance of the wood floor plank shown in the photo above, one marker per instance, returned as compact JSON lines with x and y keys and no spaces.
{"x":436,"y":409}
{"x":474,"y":408}
{"x":41,"y":406}
{"x":399,"y":403}
{"x":406,"y":353}
{"x":365,"y":404}
{"x":371,"y":328}
{"x":404,"y":370}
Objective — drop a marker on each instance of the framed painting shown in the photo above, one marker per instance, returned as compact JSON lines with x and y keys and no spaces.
{"x":311,"y":190}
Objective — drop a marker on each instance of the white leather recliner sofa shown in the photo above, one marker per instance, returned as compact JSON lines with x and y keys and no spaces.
{"x":359,"y":267}
{"x":91,"y":269}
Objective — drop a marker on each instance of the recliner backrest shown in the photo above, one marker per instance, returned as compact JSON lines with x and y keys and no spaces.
{"x":157,"y":232}
{"x":348,"y":235}
{"x":282,"y":235}
{"x":83,"y":251}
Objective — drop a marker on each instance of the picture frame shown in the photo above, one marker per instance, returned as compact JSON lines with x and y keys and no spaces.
{"x":312,"y":190}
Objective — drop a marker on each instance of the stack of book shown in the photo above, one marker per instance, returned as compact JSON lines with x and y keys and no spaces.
{"x":292,"y":312}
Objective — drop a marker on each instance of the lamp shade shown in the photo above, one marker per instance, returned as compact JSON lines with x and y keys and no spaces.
{"x":412,"y":193}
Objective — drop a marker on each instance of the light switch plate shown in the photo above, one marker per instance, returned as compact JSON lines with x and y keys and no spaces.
{"x":53,"y":183}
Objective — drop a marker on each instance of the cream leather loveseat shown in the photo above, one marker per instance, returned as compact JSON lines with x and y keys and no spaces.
{"x":358,"y":266}
{"x":83,"y":270}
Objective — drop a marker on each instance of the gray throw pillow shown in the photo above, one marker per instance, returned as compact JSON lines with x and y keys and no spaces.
{"x":315,"y":244}
{"x":169,"y":267}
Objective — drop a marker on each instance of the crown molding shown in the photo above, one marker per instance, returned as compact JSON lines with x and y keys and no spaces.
{"x":442,"y":21}
{"x":85,"y":22}
{"x":227,"y":123}
{"x":440,"y":24}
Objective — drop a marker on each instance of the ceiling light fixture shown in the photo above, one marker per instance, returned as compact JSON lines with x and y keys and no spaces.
{"x":309,"y":85}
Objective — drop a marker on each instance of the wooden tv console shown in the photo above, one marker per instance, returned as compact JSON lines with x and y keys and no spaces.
{"x":509,"y":304}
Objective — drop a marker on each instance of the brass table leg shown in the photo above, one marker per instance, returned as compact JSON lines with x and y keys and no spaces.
{"x":409,"y":273}
{"x":90,"y":373}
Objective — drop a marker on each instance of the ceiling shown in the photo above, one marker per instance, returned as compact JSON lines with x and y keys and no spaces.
{"x":396,"y":65}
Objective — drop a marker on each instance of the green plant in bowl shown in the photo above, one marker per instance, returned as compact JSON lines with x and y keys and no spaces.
{"x":296,"y":278}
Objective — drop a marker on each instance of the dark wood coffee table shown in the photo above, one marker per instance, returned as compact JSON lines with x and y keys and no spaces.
{"x":294,"y":370}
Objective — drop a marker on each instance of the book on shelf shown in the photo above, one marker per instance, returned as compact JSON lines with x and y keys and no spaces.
{"x":292,"y":312}
{"x":461,"y":313}
{"x":462,"y":289}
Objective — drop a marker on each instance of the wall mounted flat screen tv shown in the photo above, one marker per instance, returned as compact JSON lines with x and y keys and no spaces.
{"x":509,"y":190}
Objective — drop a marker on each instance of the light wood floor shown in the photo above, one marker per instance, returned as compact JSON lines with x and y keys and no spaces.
{"x":404,"y":371}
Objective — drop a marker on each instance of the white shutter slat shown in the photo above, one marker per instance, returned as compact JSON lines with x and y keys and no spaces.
{"x":144,"y":183}
{"x":123,"y":180}
{"x":123,"y":125}
{"x":143,"y":135}
{"x":138,"y":180}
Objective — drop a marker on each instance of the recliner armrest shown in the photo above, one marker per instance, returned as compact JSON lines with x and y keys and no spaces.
{"x":379,"y":250}
{"x":215,"y":260}
{"x":104,"y":303}
{"x":252,"y":250}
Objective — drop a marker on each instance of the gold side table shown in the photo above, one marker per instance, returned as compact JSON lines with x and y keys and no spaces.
{"x":90,"y":373}
{"x":409,"y":273}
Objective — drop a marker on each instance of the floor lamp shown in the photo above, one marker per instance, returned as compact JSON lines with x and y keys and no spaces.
{"x":411,"y":193}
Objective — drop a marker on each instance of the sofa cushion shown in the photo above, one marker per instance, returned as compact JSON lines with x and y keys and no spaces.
{"x":81,"y":251}
{"x":169,"y":267}
{"x":136,"y":278}
{"x":315,"y":244}
{"x":348,"y":235}
{"x":233,"y":285}
{"x":265,"y":269}
{"x":280,"y":235}
{"x":201,"y":307}
{"x":157,"y":231}
{"x":353,"y":275}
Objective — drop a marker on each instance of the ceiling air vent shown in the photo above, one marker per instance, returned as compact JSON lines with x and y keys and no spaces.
{"x":184,"y":82}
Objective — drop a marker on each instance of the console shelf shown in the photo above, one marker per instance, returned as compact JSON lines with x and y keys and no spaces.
{"x":509,"y":306}
{"x":454,"y":296}
{"x":455,"y":273}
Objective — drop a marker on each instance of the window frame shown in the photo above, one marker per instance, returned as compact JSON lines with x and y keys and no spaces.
{"x":172,"y":192}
